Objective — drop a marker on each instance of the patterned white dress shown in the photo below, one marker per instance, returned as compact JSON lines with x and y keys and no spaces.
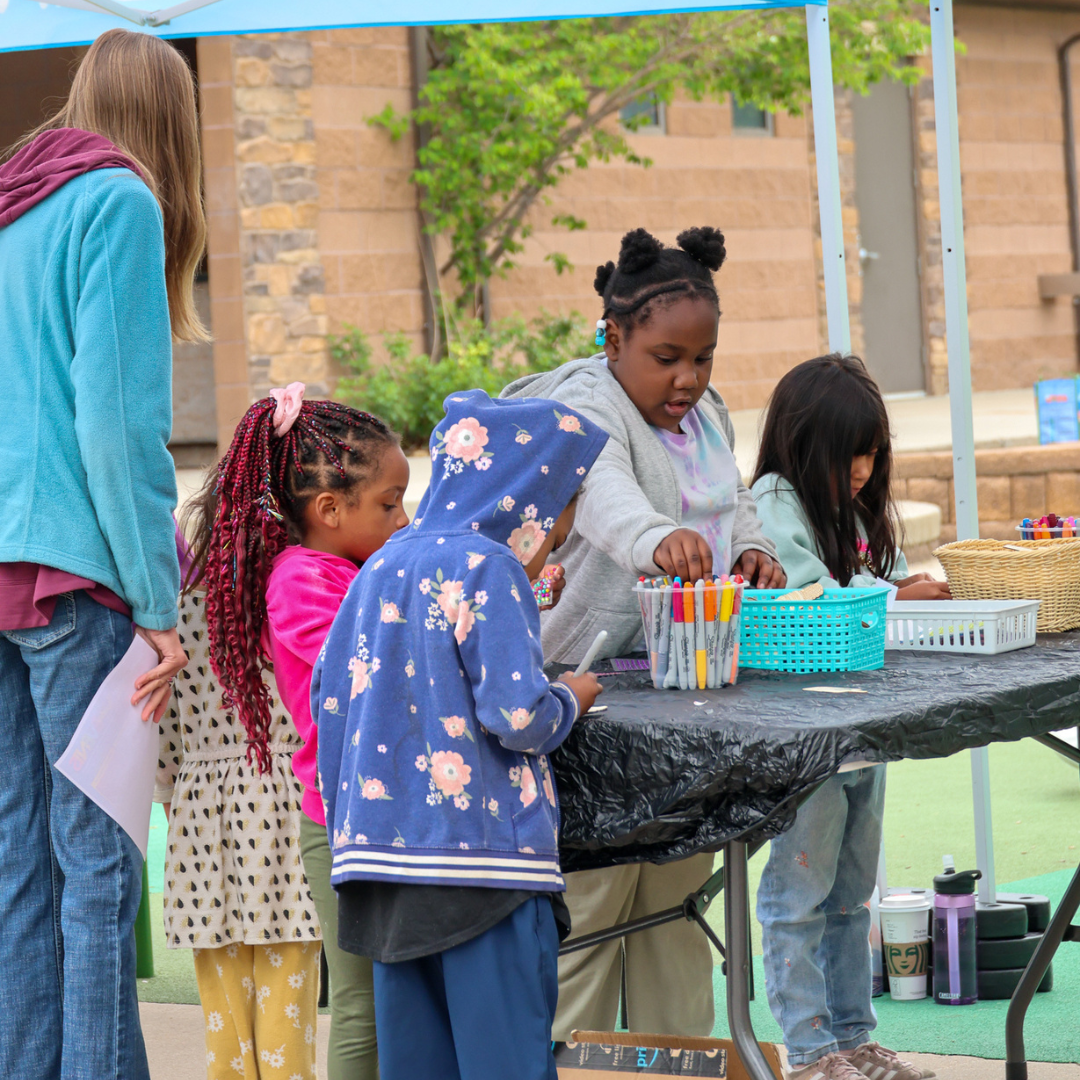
{"x":233,"y":872}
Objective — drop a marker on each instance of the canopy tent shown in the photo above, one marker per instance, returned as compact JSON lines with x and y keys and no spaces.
{"x":30,"y":24}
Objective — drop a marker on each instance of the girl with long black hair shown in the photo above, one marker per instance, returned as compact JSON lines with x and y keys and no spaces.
{"x":822,"y":492}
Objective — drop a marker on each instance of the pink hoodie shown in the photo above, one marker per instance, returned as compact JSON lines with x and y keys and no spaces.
{"x":305,"y":590}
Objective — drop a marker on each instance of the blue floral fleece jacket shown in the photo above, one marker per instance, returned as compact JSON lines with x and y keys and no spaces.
{"x":434,"y":713}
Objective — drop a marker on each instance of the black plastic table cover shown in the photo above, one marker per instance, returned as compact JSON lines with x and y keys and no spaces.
{"x":663,"y":774}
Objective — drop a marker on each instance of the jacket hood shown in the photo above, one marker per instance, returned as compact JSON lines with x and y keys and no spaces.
{"x":49,"y":162}
{"x":506,"y":469}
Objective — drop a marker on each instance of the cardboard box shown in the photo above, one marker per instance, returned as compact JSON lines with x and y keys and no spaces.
{"x":593,"y":1052}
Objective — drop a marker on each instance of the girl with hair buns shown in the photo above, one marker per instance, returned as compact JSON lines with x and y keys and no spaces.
{"x":664,"y":497}
{"x":101,"y":229}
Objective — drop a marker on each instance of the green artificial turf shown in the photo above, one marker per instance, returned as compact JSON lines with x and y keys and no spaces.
{"x":1036,"y":801}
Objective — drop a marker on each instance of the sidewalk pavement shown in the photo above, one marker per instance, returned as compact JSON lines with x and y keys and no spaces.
{"x":175,"y":1033}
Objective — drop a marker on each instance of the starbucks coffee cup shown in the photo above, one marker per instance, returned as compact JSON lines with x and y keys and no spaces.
{"x":905,"y":941}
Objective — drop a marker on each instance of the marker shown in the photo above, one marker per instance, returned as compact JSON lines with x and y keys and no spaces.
{"x":645,"y":602}
{"x":1025,"y":529}
{"x":671,"y":679}
{"x":711,"y":634}
{"x":736,"y":628}
{"x":700,"y":655}
{"x":664,"y":635}
{"x":594,"y":648}
{"x":688,"y":635}
{"x":727,"y":604}
{"x":677,"y":612}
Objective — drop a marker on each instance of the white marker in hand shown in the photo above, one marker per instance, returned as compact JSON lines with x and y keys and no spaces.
{"x":590,"y":656}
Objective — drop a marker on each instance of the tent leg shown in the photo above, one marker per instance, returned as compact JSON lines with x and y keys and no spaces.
{"x":956,"y":330}
{"x":828,"y":178}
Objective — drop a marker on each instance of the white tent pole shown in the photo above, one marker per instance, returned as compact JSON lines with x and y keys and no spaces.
{"x":828,"y":176}
{"x":956,"y":332}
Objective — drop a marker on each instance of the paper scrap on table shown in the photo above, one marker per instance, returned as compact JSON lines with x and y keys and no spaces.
{"x":113,"y":755}
{"x":832,"y":690}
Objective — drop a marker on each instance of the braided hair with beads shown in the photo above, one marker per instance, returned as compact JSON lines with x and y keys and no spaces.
{"x":649,"y":274}
{"x":251,"y":507}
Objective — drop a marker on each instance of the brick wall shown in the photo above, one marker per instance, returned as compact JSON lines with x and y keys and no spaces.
{"x":1015,"y":209}
{"x":368,"y":222}
{"x":756,"y":189}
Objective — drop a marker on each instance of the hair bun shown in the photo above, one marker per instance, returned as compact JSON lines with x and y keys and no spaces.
{"x":603,"y":276}
{"x":640,"y":250}
{"x":704,"y":245}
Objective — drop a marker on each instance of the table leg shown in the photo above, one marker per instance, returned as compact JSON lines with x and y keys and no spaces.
{"x":1059,"y":930}
{"x":737,"y":934}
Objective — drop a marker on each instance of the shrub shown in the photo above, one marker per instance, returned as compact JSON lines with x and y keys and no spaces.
{"x":408,"y":392}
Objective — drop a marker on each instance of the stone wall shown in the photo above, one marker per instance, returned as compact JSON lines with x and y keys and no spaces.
{"x":1012,"y":484}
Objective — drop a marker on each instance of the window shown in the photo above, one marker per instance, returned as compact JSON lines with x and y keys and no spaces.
{"x":750,"y":120}
{"x":645,"y":116}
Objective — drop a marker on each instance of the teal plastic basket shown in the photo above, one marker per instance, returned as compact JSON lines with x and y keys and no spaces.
{"x":844,"y":630}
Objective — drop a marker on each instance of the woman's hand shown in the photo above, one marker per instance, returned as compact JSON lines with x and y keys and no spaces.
{"x":926,"y":589}
{"x":769,"y":573}
{"x":156,"y":685}
{"x":684,"y":554}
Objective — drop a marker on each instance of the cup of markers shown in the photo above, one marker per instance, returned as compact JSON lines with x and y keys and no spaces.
{"x":1050,"y":527}
{"x":692,"y":630}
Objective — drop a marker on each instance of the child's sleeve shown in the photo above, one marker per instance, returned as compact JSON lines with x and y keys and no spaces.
{"x":498,"y":635}
{"x":301,"y":604}
{"x":784,"y":522}
{"x":615,"y":515}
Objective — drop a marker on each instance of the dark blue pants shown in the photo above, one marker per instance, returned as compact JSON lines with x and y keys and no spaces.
{"x":478,"y":1011}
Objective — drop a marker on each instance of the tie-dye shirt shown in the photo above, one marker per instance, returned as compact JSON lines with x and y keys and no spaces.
{"x":709,"y":481}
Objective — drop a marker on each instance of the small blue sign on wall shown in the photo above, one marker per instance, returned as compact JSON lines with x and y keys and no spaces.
{"x":1056,"y":405}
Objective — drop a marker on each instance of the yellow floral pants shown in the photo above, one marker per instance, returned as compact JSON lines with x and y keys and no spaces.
{"x":260,"y":1003}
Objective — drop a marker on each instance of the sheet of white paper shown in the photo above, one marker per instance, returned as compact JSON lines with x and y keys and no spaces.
{"x":112,"y":756}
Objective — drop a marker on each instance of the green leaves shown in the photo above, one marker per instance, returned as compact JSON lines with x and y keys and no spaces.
{"x":512,"y":108}
{"x":408,"y":392}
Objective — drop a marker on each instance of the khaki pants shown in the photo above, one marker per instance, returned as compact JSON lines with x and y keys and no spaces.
{"x":669,"y":969}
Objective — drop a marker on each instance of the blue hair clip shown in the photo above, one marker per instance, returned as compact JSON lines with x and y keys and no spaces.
{"x":601,"y":331}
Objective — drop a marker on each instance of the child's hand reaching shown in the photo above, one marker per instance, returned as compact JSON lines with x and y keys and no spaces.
{"x":760,"y":570}
{"x":922,"y":587}
{"x":684,"y":554}
{"x":586,"y":688}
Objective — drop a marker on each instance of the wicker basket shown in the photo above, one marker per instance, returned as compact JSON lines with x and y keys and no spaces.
{"x":1046,"y":570}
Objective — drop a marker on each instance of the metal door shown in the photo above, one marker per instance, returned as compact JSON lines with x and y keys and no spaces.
{"x":885,"y":194}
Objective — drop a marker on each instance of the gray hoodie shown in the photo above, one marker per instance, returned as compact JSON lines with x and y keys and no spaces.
{"x":631,"y":502}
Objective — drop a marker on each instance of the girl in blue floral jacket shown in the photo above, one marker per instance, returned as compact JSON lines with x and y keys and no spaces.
{"x":435,"y":722}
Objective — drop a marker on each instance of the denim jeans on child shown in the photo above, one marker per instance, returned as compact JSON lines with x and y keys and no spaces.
{"x":815,"y":926}
{"x":70,"y":877}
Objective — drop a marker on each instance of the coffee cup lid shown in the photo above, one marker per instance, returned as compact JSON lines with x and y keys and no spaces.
{"x":906,"y":902}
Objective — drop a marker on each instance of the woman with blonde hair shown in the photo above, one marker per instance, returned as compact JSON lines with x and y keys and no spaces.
{"x":101,"y":229}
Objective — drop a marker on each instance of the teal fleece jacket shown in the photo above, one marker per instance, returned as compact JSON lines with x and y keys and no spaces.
{"x":784,"y":522}
{"x":87,"y":483}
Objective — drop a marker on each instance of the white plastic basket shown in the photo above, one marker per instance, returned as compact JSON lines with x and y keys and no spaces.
{"x":961,"y":626}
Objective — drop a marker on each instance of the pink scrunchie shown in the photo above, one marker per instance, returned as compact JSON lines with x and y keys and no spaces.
{"x":288,"y":401}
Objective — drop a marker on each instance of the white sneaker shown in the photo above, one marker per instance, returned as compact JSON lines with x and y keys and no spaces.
{"x":872,"y":1060}
{"x":830,"y":1067}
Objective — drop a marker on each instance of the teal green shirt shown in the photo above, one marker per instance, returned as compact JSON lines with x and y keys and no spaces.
{"x":87,"y":483}
{"x":784,"y":522}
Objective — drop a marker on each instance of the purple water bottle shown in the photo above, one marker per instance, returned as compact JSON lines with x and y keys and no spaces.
{"x":956,"y":979}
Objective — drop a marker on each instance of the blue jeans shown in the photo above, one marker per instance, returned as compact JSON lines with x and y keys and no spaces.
{"x":70,"y":877}
{"x":816,"y":927}
{"x":480,"y":1010}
